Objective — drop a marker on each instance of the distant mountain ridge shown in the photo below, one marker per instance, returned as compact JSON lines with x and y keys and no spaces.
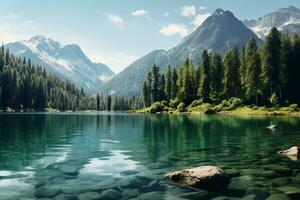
{"x":285,"y":19}
{"x":219,"y":32}
{"x":65,"y":61}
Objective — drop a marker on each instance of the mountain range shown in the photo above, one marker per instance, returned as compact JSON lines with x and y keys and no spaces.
{"x":65,"y":61}
{"x":219,"y":32}
{"x":285,"y":19}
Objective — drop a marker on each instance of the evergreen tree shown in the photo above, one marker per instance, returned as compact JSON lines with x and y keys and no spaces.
{"x":204,"y":88}
{"x":231,"y":80}
{"x":243,"y":67}
{"x":271,"y":63}
{"x":252,"y":78}
{"x":168,"y":85}
{"x":174,"y":87}
{"x":156,"y":82}
{"x":216,"y":73}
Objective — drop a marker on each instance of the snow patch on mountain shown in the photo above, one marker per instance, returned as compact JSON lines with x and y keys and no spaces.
{"x":65,"y":61}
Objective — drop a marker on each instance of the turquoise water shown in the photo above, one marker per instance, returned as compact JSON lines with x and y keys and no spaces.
{"x":125,"y":156}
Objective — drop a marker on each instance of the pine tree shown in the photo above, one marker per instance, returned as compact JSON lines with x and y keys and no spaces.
{"x":161,"y":88}
{"x":285,"y":66}
{"x":243,"y":67}
{"x":168,"y":85}
{"x":271,"y":63}
{"x":204,"y":88}
{"x":231,"y":80}
{"x":216,"y":76}
{"x":252,"y":77}
{"x":156,"y":82}
{"x":174,"y":87}
{"x":98,"y":102}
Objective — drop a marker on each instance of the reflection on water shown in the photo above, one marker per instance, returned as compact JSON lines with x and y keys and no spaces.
{"x":127,"y":152}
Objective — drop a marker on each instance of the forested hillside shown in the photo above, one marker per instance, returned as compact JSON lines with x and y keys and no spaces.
{"x":269,"y":75}
{"x":24,"y":86}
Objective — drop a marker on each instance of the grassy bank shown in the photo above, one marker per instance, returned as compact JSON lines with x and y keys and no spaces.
{"x":231,"y":107}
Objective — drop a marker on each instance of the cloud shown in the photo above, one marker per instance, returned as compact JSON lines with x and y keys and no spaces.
{"x":29,"y":24}
{"x":140,"y":13}
{"x":173,"y":29}
{"x":201,"y":8}
{"x":12,"y":16}
{"x":167,"y":14}
{"x":117,"y":62}
{"x":188,"y":11}
{"x":200,"y":19}
{"x":115,"y":20}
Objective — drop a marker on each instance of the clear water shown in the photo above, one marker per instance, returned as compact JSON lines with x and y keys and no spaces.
{"x":83,"y":155}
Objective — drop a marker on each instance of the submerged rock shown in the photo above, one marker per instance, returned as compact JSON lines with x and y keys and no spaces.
{"x":89,"y":196}
{"x":68,"y":170}
{"x":152,"y":195}
{"x":47,"y":192}
{"x":292,"y":152}
{"x":206,"y":177}
{"x":130,"y":193}
{"x":241,"y":183}
{"x":110,"y":194}
{"x":278,"y":197}
{"x":291,"y":190}
{"x":109,"y":184}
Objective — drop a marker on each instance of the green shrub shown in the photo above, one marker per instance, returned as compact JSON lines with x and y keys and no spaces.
{"x":181,"y":107}
{"x":174,"y":103}
{"x":196,"y":103}
{"x":274,"y":99}
{"x":234,"y":103}
{"x":157,"y":107}
{"x":209,"y":111}
{"x":293,"y":107}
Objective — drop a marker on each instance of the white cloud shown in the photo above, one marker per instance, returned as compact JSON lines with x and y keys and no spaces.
{"x":115,"y":20}
{"x":140,"y":13}
{"x":117,"y":62}
{"x":167,"y":14}
{"x":29,"y":24}
{"x":188,"y":11}
{"x":201,"y":8}
{"x":12,"y":16}
{"x":173,"y":29}
{"x":200,"y":19}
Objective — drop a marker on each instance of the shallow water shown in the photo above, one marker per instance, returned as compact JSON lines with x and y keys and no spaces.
{"x":86,"y":155}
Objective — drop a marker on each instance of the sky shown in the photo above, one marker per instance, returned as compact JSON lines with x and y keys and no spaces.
{"x":117,"y":32}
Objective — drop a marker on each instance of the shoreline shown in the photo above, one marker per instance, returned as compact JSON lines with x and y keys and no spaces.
{"x":242,"y":111}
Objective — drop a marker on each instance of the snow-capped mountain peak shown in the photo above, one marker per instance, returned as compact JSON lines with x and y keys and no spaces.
{"x":66,"y":61}
{"x":285,"y":19}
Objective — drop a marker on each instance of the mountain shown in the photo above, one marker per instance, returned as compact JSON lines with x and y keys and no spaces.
{"x":65,"y":61}
{"x":219,"y":32}
{"x":285,"y":19}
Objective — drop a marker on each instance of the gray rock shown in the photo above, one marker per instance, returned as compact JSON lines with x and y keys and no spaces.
{"x":104,"y":185}
{"x":206,"y":177}
{"x":47,"y":192}
{"x":292,"y":152}
{"x":129,"y":193}
{"x":89,"y":196}
{"x":110,"y":194}
{"x":278,"y":197}
{"x":272,"y":127}
{"x":201,"y":195}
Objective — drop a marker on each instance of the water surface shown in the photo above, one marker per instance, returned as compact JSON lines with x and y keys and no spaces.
{"x":83,"y":155}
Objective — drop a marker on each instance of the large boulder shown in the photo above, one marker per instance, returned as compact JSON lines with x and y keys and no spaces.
{"x":292,"y":152}
{"x":206,"y":177}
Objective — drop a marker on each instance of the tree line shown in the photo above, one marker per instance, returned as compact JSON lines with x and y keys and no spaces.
{"x":264,"y":75}
{"x":25,"y":86}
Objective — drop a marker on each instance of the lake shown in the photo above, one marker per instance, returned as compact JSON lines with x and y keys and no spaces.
{"x":125,"y":156}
